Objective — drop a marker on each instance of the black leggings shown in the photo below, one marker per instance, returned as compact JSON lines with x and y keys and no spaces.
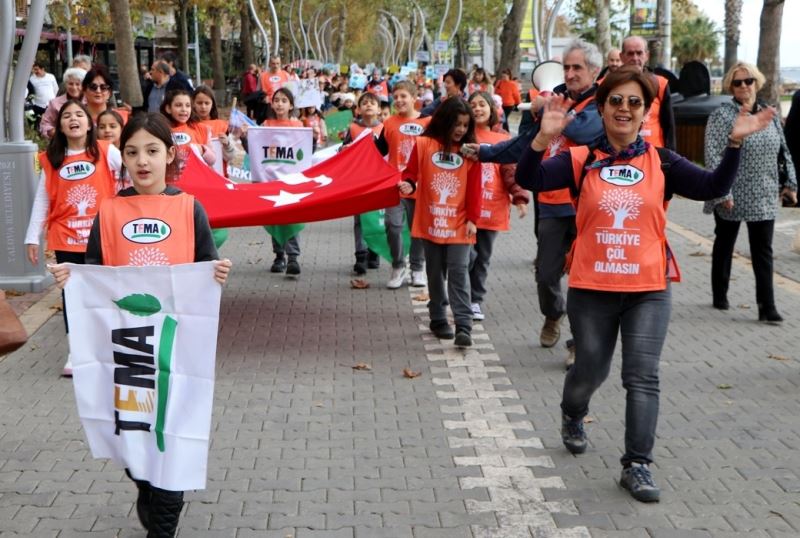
{"x":62,"y":256}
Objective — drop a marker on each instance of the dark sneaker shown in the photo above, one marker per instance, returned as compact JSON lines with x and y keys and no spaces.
{"x":360,"y":268}
{"x":292,"y":268}
{"x":639,"y":482}
{"x":442,"y":330}
{"x":572,"y":434}
{"x":463,"y":337}
{"x":373,"y":260}
{"x":279,"y":265}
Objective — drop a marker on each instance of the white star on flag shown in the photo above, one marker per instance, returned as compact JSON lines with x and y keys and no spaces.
{"x":286,"y":198}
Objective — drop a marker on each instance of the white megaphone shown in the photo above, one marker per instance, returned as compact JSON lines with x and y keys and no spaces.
{"x":545,"y":77}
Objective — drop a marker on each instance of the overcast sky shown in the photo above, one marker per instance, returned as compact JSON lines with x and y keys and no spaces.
{"x":751,"y":14}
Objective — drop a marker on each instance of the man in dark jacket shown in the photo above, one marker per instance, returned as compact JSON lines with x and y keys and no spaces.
{"x":157,"y":86}
{"x":179,"y":76}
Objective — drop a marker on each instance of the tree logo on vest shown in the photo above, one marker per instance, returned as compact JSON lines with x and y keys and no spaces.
{"x":446,"y":186}
{"x":448,"y":161}
{"x":145,"y":231}
{"x":82,"y":197}
{"x":623,"y":175}
{"x":621,"y":204}
{"x":411,"y":129}
{"x":77,"y":170}
{"x":147,"y":257}
{"x":143,"y":360}
{"x":181,"y":138}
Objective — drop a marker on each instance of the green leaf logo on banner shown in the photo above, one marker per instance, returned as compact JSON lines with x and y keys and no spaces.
{"x":140,"y":304}
{"x":299,"y":155}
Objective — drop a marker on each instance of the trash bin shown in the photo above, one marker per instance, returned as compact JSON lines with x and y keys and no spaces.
{"x":691,"y":116}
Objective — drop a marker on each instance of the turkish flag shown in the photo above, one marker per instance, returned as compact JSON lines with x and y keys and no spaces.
{"x":354,"y":181}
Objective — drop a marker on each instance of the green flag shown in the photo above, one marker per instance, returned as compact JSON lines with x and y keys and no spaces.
{"x":220,"y":236}
{"x":282,"y":233}
{"x":373,"y":228}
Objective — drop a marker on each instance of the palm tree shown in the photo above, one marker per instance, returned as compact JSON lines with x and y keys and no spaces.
{"x":694,"y":39}
{"x":769,"y":48}
{"x":733,"y":19}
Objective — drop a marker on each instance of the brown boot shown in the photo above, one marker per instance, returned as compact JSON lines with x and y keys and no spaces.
{"x":551,"y":332}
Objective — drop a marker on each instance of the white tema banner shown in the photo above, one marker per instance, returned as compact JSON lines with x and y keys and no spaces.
{"x":143,"y":342}
{"x":278,"y":151}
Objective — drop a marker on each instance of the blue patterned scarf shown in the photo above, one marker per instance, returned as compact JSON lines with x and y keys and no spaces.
{"x":638,"y":147}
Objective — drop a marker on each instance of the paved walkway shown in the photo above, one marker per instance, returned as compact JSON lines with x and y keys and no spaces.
{"x":305,"y":446}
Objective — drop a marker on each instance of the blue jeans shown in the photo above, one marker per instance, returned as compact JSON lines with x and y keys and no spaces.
{"x":596,"y":318}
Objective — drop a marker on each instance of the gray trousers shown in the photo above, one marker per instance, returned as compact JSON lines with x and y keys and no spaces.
{"x":479,"y":257}
{"x":358,"y":236}
{"x":394,"y":235}
{"x":597,"y":318}
{"x":290,"y":249}
{"x":451,"y":262}
{"x":555,"y":239}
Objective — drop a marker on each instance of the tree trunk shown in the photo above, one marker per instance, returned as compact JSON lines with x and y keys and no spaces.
{"x":182,"y":17}
{"x":217,"y":67}
{"x":246,"y":36}
{"x":341,"y":35}
{"x":129,"y":86}
{"x":769,"y":48}
{"x":733,"y":21}
{"x":509,"y":38}
{"x":603,"y":8}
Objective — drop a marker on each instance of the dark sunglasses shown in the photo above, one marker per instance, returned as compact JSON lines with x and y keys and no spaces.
{"x":99,"y":87}
{"x":634,"y":102}
{"x":738,"y":82}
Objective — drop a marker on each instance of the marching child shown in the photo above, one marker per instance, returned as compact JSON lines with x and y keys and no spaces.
{"x":499,"y":192}
{"x":280,"y":115}
{"x":396,"y":141}
{"x":109,"y":126}
{"x":449,"y":195}
{"x":368,"y":118}
{"x":311,"y":117}
{"x":78,"y":173}
{"x":386,"y":110}
{"x":204,"y":106}
{"x":186,"y":128}
{"x":151,"y":158}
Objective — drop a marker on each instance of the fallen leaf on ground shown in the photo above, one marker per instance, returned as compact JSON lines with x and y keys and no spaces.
{"x":422,"y":297}
{"x":362,"y":366}
{"x":698,"y":253}
{"x":57,"y":307}
{"x":778,"y":357}
{"x":588,"y":420}
{"x":411,"y":374}
{"x":14,"y":293}
{"x":724,"y":386}
{"x":359,"y":284}
{"x":318,"y":404}
{"x":745,"y":306}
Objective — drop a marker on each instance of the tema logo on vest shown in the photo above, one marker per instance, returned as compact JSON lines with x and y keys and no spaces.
{"x":77,"y":170}
{"x":621,"y":175}
{"x":181,"y":138}
{"x":141,"y":376}
{"x":448,"y":161}
{"x":281,"y":155}
{"x":146,"y":230}
{"x":411,"y":129}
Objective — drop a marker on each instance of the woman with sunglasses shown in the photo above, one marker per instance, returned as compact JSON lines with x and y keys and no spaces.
{"x":754,"y":197}
{"x":620,"y":263}
{"x":97,"y":88}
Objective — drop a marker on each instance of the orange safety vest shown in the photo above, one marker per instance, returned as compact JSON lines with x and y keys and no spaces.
{"x":477,"y":87}
{"x":441,"y":211}
{"x":191,"y":134}
{"x":557,"y":145}
{"x":75,"y":191}
{"x":496,"y":200}
{"x":273,"y":81}
{"x":217,"y":127}
{"x":621,"y":244}
{"x":381,"y":90}
{"x":356,"y":129}
{"x":147,"y":229}
{"x":400,"y":133}
{"x":651,"y":129}
{"x":291,"y":122}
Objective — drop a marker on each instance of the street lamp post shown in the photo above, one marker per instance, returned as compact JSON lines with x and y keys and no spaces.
{"x":17,"y":175}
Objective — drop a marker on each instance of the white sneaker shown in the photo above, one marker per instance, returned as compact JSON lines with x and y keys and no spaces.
{"x":67,"y":370}
{"x":419,"y":279}
{"x":398,"y":278}
{"x":477,"y":314}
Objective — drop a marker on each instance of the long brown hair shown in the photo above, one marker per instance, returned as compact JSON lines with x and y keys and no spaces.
{"x":57,"y":148}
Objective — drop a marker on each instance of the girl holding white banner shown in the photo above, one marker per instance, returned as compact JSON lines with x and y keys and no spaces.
{"x":78,"y":173}
{"x":186,"y":128}
{"x":151,"y":158}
